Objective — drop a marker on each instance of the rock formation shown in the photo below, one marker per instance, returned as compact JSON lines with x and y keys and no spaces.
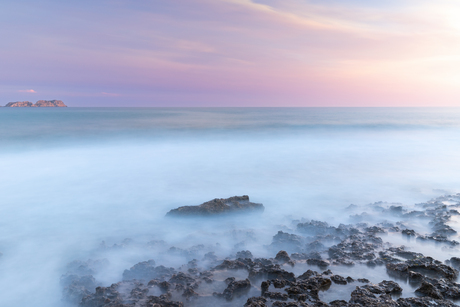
{"x":218,"y":206}
{"x":19,"y":104}
{"x":49,"y":103}
{"x":40,"y":103}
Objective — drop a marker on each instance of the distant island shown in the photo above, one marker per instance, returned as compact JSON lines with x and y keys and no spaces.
{"x":40,"y":103}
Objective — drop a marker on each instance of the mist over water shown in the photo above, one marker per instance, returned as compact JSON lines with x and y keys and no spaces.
{"x":72,"y":178}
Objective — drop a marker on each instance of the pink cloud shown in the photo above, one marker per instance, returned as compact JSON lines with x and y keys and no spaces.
{"x":27,"y":91}
{"x":110,"y":94}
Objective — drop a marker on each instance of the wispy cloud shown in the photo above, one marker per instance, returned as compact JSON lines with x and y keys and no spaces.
{"x":110,"y":94}
{"x":27,"y":91}
{"x":303,"y":50}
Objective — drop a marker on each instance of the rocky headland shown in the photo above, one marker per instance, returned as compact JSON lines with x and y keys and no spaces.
{"x":38,"y":104}
{"x":308,"y":256}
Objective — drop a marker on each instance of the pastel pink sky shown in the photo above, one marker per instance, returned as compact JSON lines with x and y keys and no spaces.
{"x":231,"y":52}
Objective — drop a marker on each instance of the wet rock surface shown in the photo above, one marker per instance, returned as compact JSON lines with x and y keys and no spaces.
{"x":218,"y":206}
{"x":244,"y":279}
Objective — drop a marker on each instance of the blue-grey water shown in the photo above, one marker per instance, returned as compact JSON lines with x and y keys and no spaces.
{"x":73,"y":177}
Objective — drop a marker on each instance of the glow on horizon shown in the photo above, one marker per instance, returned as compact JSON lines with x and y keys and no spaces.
{"x":232,"y":52}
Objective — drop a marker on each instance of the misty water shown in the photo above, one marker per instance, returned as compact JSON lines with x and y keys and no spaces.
{"x":72,"y":178}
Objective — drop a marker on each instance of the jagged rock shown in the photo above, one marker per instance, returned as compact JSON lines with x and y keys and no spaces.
{"x":318,"y":262}
{"x":339,"y":303}
{"x":316,"y":228}
{"x":231,"y":265}
{"x":428,"y":289}
{"x":409,"y":232}
{"x":244,"y":254}
{"x":424,"y":302}
{"x":276,"y":296}
{"x":219,"y":206}
{"x":146,"y":270}
{"x":256,"y":301}
{"x":337,"y":279}
{"x":282,"y":257}
{"x":390,"y":287}
{"x":271,"y":272}
{"x":422,"y":265}
{"x":364,"y":297}
{"x":291,"y":242}
{"x":182,"y":278}
{"x":236,"y":289}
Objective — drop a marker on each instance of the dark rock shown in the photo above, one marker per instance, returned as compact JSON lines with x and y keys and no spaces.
{"x":390,"y":287}
{"x":256,"y":301}
{"x":337,"y":279}
{"x":182,"y":278}
{"x":219,"y":206}
{"x":282,"y":257}
{"x":264,"y":286}
{"x":237,"y":289}
{"x":424,"y":265}
{"x":339,"y":303}
{"x":315,"y":228}
{"x":318,"y":262}
{"x":455,"y":262}
{"x":284,"y":240}
{"x":231,"y":265}
{"x":211,"y":256}
{"x":279,"y":283}
{"x":409,"y":232}
{"x":244,"y":254}
{"x":427,"y":289}
{"x":276,"y":296}
{"x":424,"y":302}
{"x":271,"y":274}
{"x":189,"y":293}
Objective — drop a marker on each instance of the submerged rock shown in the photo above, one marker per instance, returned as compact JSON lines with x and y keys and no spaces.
{"x":219,"y":206}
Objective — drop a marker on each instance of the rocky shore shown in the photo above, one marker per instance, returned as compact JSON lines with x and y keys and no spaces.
{"x":308,"y":256}
{"x":38,"y":104}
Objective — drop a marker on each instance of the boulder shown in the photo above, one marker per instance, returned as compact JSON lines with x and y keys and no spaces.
{"x":218,"y":206}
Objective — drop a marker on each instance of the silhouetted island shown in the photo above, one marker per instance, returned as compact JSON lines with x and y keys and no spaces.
{"x":40,"y":103}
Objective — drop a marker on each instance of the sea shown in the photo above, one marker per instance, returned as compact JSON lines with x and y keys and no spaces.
{"x":74,"y":181}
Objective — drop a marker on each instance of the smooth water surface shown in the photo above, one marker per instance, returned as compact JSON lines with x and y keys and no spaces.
{"x":73,"y":177}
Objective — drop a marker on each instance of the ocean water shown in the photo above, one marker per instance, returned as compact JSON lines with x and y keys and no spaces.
{"x":71,"y":178}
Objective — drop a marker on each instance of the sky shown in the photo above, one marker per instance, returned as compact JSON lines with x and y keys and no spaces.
{"x":212,"y":53}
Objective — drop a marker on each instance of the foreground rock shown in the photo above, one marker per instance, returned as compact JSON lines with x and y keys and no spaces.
{"x":302,"y":269}
{"x":219,"y":206}
{"x":38,"y":104}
